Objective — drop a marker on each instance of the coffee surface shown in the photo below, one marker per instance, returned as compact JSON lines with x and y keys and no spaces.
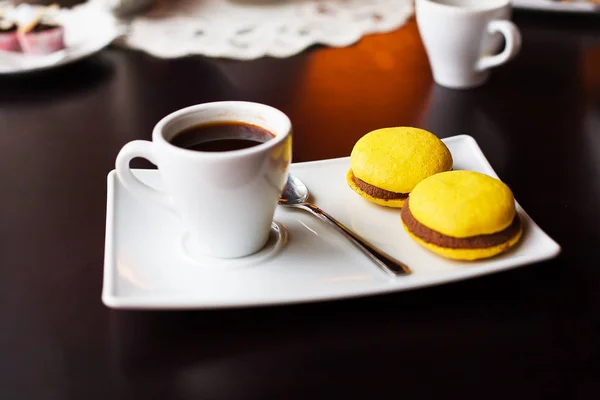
{"x":221,"y":136}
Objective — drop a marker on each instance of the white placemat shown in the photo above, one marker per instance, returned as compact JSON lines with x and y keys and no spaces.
{"x":249,"y":29}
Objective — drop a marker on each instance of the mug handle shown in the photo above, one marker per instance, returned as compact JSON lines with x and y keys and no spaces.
{"x":144,"y":149}
{"x":513,"y":44}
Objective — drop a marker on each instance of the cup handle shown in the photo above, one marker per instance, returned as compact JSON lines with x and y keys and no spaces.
{"x":513,"y":44}
{"x":144,"y":149}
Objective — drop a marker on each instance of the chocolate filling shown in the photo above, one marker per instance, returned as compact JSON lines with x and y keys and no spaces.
{"x":472,"y":242}
{"x":41,"y":27}
{"x":7,"y":27}
{"x":376,"y":192}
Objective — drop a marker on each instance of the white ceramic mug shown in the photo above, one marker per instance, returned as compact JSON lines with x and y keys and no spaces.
{"x":225,"y":200}
{"x":461,"y":37}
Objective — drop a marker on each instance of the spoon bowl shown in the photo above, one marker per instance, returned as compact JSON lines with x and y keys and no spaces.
{"x":294,"y":192}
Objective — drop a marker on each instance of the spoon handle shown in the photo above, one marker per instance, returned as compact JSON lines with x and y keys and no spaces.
{"x":384,"y":261}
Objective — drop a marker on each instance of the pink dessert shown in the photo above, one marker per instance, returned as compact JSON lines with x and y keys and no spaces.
{"x":42,"y":39}
{"x":8,"y":37}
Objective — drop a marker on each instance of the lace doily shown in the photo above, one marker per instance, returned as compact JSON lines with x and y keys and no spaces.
{"x":249,"y":29}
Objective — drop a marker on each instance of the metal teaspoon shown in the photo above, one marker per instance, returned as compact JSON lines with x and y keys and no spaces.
{"x":295,"y":194}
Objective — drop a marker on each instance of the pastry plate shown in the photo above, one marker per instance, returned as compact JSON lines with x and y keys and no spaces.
{"x":572,"y":6}
{"x":87,"y":31}
{"x":146,"y":267}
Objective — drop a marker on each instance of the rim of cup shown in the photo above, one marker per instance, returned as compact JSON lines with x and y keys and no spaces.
{"x":472,"y":5}
{"x":158,"y":133}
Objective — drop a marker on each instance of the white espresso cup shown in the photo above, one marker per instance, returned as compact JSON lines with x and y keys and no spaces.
{"x":461,"y":38}
{"x":225,"y":200}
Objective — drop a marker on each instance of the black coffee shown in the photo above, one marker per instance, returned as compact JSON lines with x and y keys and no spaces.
{"x":221,"y":136}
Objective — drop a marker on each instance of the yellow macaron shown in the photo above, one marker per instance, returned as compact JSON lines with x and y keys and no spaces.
{"x":386,"y":164}
{"x":462,"y":215}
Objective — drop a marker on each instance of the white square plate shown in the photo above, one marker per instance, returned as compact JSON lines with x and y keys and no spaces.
{"x":145,"y":266}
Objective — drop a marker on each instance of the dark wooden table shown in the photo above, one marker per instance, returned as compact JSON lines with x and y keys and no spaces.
{"x":531,"y":333}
